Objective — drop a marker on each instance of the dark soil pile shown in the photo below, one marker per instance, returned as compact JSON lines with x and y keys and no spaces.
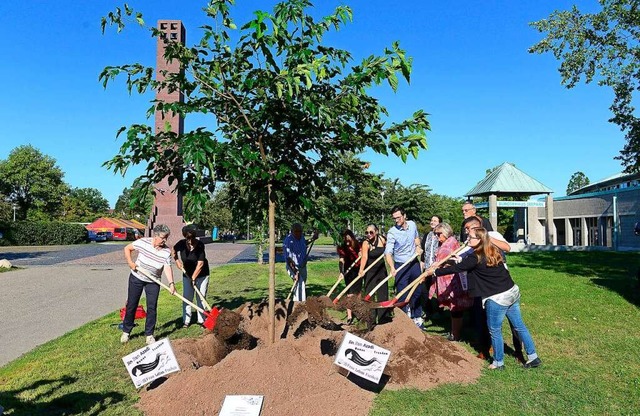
{"x":296,"y":374}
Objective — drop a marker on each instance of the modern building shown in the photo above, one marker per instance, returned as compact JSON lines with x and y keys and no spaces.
{"x":601,"y":214}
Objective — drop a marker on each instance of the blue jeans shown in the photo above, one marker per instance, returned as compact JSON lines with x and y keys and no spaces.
{"x":403,"y":278}
{"x":495,"y":317}
{"x":187,"y":291}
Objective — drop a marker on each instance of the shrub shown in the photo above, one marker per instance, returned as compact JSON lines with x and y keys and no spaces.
{"x":43,"y":233}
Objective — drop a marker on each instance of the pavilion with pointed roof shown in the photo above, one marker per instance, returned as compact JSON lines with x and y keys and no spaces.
{"x":508,"y":181}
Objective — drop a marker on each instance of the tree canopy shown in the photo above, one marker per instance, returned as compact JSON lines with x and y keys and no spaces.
{"x":34,"y":182}
{"x":577,"y":181}
{"x":285,"y":105}
{"x":602,"y":46}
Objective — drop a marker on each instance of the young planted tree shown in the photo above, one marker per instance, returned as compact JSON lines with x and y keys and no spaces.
{"x":285,"y":106}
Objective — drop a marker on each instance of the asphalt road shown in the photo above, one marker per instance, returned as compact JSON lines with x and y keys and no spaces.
{"x":60,"y":288}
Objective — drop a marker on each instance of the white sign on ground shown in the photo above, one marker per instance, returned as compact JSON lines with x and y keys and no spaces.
{"x":151,"y":362}
{"x":361,"y":357}
{"x":241,"y":405}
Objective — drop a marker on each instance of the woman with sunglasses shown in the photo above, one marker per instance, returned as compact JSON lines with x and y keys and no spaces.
{"x":500,"y":295}
{"x":372,"y":248}
{"x":450,"y":289}
{"x":348,"y":252}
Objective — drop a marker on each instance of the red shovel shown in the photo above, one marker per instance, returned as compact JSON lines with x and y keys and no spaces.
{"x":355,"y":279}
{"x":198,"y":292}
{"x":212,"y":316}
{"x":413,"y":285}
{"x":394,"y":302}
{"x":343,"y":275}
{"x":379,"y":285}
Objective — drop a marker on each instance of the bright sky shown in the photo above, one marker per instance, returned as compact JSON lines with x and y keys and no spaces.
{"x":490,"y":100}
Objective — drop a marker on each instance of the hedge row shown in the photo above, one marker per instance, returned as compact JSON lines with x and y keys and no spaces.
{"x":42,"y":233}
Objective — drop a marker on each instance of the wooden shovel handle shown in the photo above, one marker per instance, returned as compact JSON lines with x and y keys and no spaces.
{"x":379,"y":285}
{"x":176,"y":294}
{"x":195,"y":287}
{"x":453,"y":253}
{"x":411,"y":286}
{"x":343,"y":275}
{"x":295,"y":283}
{"x":346,"y":289}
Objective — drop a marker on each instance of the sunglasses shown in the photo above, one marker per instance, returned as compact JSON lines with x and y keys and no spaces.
{"x":370,"y":232}
{"x":438,"y":234}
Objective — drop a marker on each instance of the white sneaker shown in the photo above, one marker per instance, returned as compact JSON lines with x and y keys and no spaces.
{"x":150,"y":339}
{"x":124,"y":338}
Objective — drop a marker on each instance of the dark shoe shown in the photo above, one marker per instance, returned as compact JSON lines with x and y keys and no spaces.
{"x":350,"y":321}
{"x":450,"y":337}
{"x":533,"y":363}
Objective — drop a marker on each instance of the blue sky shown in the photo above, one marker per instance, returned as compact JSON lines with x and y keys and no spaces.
{"x":489,"y":100}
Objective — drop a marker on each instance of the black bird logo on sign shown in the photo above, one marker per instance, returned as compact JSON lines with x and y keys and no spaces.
{"x":144,"y":368}
{"x":353,"y":355}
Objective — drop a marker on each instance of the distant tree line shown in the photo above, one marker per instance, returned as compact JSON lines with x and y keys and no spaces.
{"x":32,"y":187}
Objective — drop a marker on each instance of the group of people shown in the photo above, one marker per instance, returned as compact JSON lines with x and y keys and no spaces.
{"x":468,"y":273}
{"x":465,"y":273}
{"x":153,"y":259}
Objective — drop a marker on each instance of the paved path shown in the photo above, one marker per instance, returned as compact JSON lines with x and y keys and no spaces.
{"x":60,"y":288}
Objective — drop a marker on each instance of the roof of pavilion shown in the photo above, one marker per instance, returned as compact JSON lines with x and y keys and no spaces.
{"x":506,"y":179}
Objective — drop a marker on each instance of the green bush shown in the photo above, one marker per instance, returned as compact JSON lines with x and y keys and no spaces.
{"x":43,"y":233}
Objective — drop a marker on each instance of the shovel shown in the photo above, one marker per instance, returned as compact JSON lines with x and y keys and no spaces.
{"x":394,"y":302}
{"x":346,"y":289}
{"x":414,"y":285}
{"x":293,"y":289}
{"x":212,"y":316}
{"x":295,"y":282}
{"x":343,"y":275}
{"x":379,"y":285}
{"x":195,"y":288}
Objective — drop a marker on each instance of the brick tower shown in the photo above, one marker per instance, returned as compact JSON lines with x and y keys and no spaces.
{"x":167,"y":205}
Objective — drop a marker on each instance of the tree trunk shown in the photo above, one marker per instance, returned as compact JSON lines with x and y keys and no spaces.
{"x":272,"y":268}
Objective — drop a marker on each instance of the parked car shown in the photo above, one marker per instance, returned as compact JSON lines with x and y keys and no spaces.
{"x":101,"y":236}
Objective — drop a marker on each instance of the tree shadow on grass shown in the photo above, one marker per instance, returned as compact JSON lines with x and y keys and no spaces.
{"x":611,"y":270}
{"x":73,"y":403}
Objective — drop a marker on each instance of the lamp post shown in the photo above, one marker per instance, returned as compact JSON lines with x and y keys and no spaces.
{"x":382,"y":215}
{"x":15,"y":207}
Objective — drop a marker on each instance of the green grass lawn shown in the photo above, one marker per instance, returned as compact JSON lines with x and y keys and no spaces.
{"x":581,"y":308}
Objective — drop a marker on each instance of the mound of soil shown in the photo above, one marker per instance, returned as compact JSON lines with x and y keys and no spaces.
{"x":296,"y":374}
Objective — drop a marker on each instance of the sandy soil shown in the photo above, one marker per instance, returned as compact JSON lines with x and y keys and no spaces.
{"x":296,"y":374}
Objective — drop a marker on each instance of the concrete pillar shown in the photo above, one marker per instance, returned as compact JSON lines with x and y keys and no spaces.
{"x":493,"y":211}
{"x":167,"y":205}
{"x":535,"y":234}
{"x":584,"y":232}
{"x":568,"y":230}
{"x":550,"y":228}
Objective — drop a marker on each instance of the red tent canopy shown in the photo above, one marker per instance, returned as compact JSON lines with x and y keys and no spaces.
{"x":110,"y":224}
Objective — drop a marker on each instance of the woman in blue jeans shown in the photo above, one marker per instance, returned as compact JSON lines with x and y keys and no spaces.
{"x":190,"y":257}
{"x":500,"y":295}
